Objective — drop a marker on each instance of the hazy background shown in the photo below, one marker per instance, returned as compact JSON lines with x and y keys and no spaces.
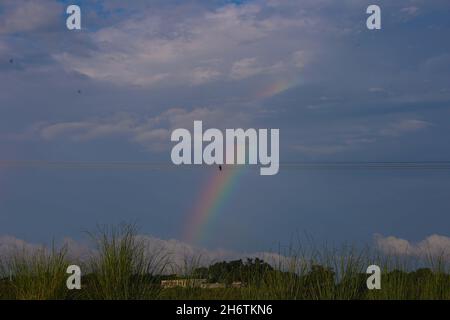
{"x":115,"y":90}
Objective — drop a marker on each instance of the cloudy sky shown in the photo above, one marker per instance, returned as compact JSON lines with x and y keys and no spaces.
{"x":337,"y":91}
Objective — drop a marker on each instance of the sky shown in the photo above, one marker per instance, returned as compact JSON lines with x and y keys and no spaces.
{"x":115,"y":90}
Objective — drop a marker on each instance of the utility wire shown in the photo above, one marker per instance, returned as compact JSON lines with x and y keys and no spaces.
{"x":123,"y":165}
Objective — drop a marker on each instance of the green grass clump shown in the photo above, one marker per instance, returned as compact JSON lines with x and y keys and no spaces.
{"x":38,"y":275}
{"x":123,"y":267}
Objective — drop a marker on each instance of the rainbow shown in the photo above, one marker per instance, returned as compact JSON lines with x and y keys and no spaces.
{"x":276,"y":88}
{"x":212,"y":198}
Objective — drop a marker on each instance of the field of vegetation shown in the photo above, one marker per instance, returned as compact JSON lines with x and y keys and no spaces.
{"x":123,"y":268}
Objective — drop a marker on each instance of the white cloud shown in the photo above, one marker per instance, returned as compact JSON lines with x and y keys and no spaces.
{"x":410,"y":11}
{"x":180,"y":252}
{"x":177,"y":253}
{"x":203,"y":75}
{"x":300,"y":58}
{"x":434,"y":245}
{"x":340,"y":139}
{"x":28,"y":16}
{"x":245,"y":68}
{"x":404,"y":126}
{"x":9,"y":245}
{"x":249,"y":67}
{"x":187,"y":51}
{"x":153,"y":133}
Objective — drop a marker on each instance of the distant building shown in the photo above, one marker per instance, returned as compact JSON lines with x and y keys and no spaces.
{"x":237,"y":284}
{"x":198,"y":283}
{"x":183,"y":283}
{"x":216,"y":285}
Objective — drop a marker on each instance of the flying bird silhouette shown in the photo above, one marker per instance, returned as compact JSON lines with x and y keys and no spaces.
{"x":79,"y":91}
{"x":11,"y":60}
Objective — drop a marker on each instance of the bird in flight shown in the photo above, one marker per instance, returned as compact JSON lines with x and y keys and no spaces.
{"x":11,"y":60}
{"x":79,"y":91}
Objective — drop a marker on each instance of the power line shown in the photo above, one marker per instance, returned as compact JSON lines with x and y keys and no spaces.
{"x":124,"y":165}
{"x":438,"y":165}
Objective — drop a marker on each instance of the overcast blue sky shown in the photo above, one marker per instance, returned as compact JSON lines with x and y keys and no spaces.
{"x":336,"y":90}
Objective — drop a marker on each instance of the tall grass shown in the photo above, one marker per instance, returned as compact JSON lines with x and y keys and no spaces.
{"x":123,"y":267}
{"x":38,"y":275}
{"x":312,"y":274}
{"x":333,"y":274}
